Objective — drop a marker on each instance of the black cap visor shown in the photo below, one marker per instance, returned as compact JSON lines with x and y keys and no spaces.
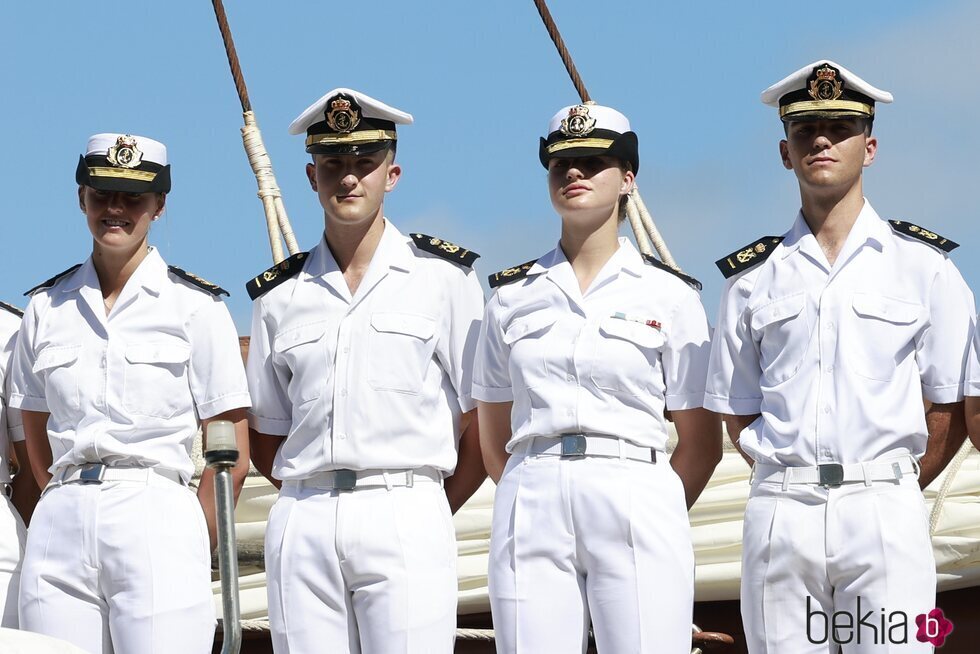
{"x":622,"y":146}
{"x":96,"y":172}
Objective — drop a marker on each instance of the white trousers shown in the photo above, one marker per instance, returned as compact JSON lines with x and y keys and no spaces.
{"x":592,"y":538}
{"x":120,"y":568}
{"x":371,"y":570}
{"x":12,"y":537}
{"x":809,"y":552}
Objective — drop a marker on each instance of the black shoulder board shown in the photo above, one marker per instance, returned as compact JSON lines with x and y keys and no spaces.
{"x":749,"y":256}
{"x":445,"y":249}
{"x":54,"y":280}
{"x":276,"y":275}
{"x":203,"y":284}
{"x":657,"y":263}
{"x":924,"y":235}
{"x":12,"y":309}
{"x":508,"y":275}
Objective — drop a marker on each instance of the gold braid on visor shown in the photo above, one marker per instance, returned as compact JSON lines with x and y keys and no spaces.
{"x":827,"y":105}
{"x":124,"y":173}
{"x":362,"y":136}
{"x":579,"y":143}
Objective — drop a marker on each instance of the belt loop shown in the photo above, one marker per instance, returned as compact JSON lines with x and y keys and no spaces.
{"x":409,"y":478}
{"x":916,"y":468}
{"x":622,"y":449}
{"x":897,"y":470}
{"x":866,"y":471}
{"x":786,"y":472}
{"x":387,"y":477}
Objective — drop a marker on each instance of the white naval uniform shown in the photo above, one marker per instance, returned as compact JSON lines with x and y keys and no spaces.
{"x":124,"y":566}
{"x":837,"y":360}
{"x":600,"y":537}
{"x":12,"y":531}
{"x":374,"y":381}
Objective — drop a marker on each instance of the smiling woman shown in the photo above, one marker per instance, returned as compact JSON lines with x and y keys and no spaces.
{"x":118,"y":363}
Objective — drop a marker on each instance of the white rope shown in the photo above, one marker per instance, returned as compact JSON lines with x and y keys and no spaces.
{"x":651,"y":229}
{"x":262,"y":624}
{"x":633,"y":215}
{"x":947,"y":485}
{"x":277,"y":222}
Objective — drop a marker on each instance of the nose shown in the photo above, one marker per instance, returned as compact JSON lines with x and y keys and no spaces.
{"x":349,"y":180}
{"x":573,"y":171}
{"x":115,"y":204}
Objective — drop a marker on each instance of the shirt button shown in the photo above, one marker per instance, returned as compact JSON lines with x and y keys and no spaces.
{"x":829,"y":369}
{"x":569,"y":412}
{"x":570,"y":378}
{"x":830,"y":326}
{"x":342,"y":436}
{"x":346,"y":349}
{"x":826,"y":409}
{"x":343,"y":392}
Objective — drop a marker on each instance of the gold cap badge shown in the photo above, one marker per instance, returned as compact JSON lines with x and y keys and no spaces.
{"x":343,"y":115}
{"x":578,"y":122}
{"x":124,"y":153}
{"x":824,"y":85}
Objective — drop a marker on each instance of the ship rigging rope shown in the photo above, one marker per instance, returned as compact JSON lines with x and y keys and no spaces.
{"x":639,"y":217}
{"x":947,"y":485}
{"x":277,"y":222}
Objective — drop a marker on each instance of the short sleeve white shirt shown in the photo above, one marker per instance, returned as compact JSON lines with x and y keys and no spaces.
{"x":128,"y":388}
{"x":11,"y":428}
{"x":838,"y":358}
{"x":607,"y":361}
{"x":373,"y":380}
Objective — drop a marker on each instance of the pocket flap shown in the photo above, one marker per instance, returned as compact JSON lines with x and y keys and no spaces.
{"x":160,"y":352}
{"x":298,"y":336}
{"x":411,"y":324}
{"x":56,"y":355}
{"x":884,"y":308}
{"x":634,"y":332}
{"x":777,"y":310}
{"x":525,"y":325}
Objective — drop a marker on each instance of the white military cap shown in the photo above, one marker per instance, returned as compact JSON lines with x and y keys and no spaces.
{"x":124,"y":162}
{"x":345,"y":121}
{"x":823,"y":89}
{"x":589,"y":129}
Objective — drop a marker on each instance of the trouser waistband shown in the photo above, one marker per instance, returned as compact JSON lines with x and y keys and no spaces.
{"x":97,"y":473}
{"x":832,"y":475}
{"x":344,"y":479}
{"x":586,"y":444}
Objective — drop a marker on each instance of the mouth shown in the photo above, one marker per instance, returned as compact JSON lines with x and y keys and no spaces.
{"x":114,"y":223}
{"x":574,"y":189}
{"x":819,"y":160}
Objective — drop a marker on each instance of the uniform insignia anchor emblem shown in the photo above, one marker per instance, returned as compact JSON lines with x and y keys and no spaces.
{"x":343,"y":116}
{"x":825,"y":86}
{"x":578,"y":122}
{"x":124,"y":153}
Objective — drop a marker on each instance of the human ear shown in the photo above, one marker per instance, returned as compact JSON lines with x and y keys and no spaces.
{"x":311,"y":175}
{"x":870,"y":150}
{"x":784,"y":154}
{"x":629,"y":177}
{"x":394,"y":174}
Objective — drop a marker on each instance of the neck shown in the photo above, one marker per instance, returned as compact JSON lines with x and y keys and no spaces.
{"x":114,"y":268}
{"x":833,"y":214}
{"x":353,"y":246}
{"x":589,"y":248}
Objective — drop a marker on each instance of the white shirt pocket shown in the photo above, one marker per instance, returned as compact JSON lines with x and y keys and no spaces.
{"x":401,"y":346}
{"x":525,"y":335}
{"x":627,"y":358}
{"x":56,"y":365}
{"x":156,"y":379}
{"x":783,"y":332}
{"x":302,"y":352}
{"x":881,"y":334}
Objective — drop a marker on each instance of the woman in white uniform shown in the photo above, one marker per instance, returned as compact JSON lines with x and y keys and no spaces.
{"x":118,"y":362}
{"x":580,"y":353}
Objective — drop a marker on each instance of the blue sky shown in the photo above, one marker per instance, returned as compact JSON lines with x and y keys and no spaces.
{"x":482,"y":79}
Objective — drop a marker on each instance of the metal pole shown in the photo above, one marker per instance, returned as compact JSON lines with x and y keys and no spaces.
{"x":222,"y":455}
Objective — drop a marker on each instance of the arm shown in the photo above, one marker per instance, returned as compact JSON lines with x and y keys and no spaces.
{"x":698,"y":449}
{"x":734,"y":425}
{"x":25,"y":489}
{"x":973,"y":419}
{"x":494,"y":436}
{"x":38,"y":447}
{"x":947,"y":431}
{"x":264,"y":449}
{"x":470,"y":473}
{"x":205,"y":490}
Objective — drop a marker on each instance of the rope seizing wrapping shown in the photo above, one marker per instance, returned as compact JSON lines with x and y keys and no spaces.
{"x":276,"y":219}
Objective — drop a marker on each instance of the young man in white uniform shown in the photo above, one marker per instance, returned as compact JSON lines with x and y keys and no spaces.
{"x":828,"y":337}
{"x":359,"y":366}
{"x":14,"y":513}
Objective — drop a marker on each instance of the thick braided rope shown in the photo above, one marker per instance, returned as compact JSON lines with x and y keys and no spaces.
{"x":269,"y":191}
{"x":633,"y":216}
{"x":262,"y":624}
{"x":951,"y":470}
{"x":651,"y":229}
{"x":566,"y":57}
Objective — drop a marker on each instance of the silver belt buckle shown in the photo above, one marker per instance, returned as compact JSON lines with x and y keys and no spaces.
{"x":573,"y":445}
{"x":92,"y":473}
{"x":344,"y":479}
{"x":830,"y":474}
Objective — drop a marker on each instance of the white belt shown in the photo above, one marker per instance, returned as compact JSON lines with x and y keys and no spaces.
{"x":587,"y":444}
{"x":835,"y":474}
{"x":96,"y":473}
{"x":348,"y":480}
